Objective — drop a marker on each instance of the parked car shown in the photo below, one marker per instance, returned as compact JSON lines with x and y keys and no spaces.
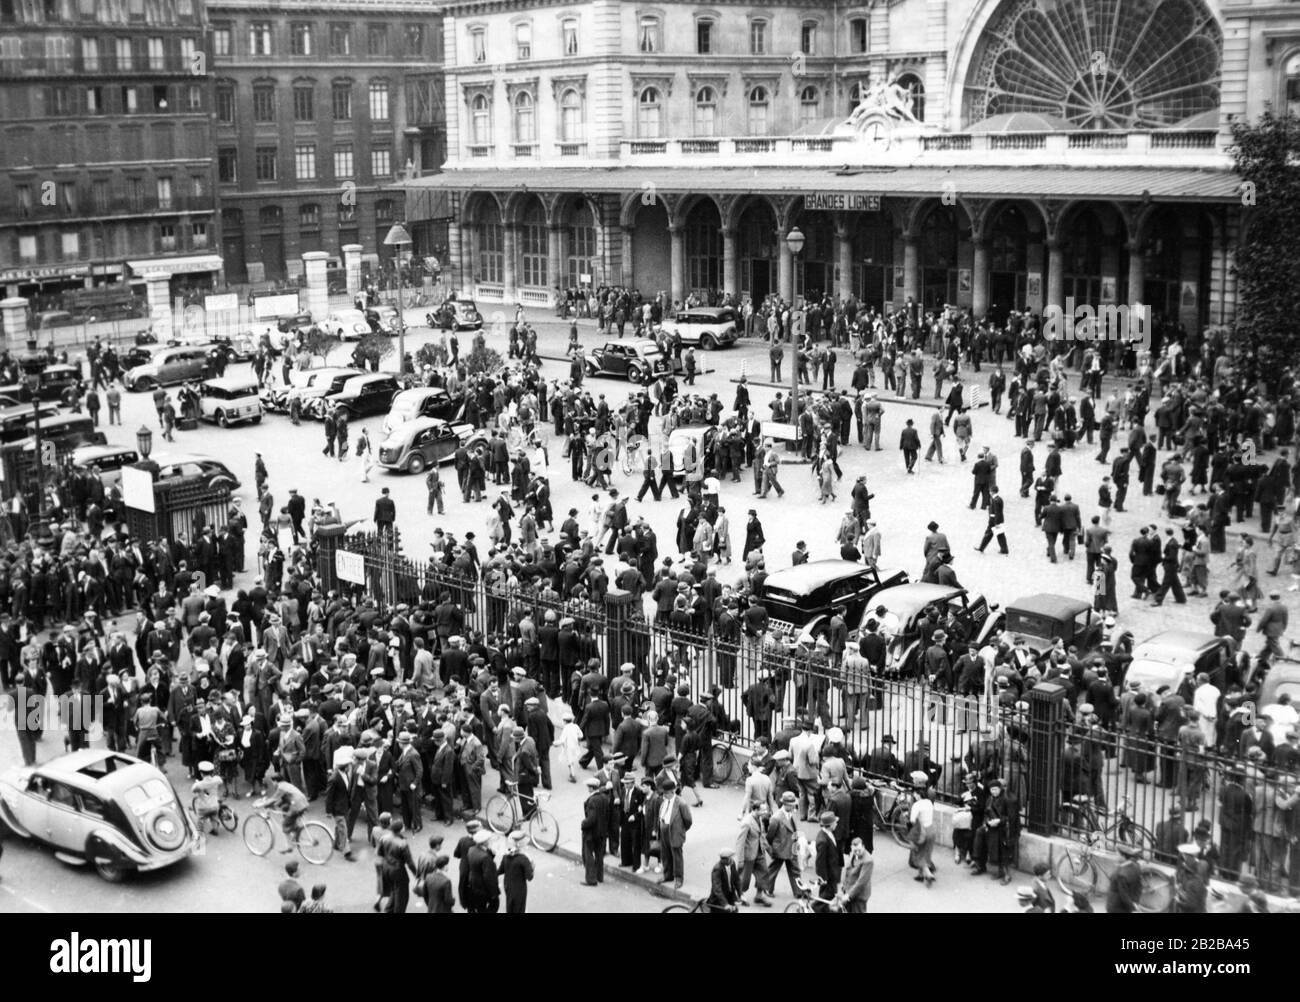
{"x":423,"y":401}
{"x":213,"y":471}
{"x":636,"y":361}
{"x":709,"y":327}
{"x":230,"y":400}
{"x":382,"y":318}
{"x":691,"y":441}
{"x":291,"y":323}
{"x":1170,"y":655}
{"x":966,"y":616}
{"x":312,"y":383}
{"x":1283,"y":678}
{"x":53,"y":380}
{"x":105,"y":460}
{"x":52,"y":318}
{"x":66,"y":432}
{"x":169,"y":366}
{"x":456,"y":314}
{"x":1042,"y":619}
{"x":17,"y":423}
{"x":803,"y":598}
{"x":348,"y":325}
{"x":361,"y":396}
{"x":421,"y":442}
{"x":102,"y":808}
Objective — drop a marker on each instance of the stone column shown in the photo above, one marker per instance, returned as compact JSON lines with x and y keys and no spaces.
{"x":677,"y":272}
{"x":628,"y":270}
{"x":911,"y":269}
{"x":729,"y":284}
{"x":158,"y":296}
{"x":555,"y":253}
{"x":318,"y":299}
{"x":980,"y":279}
{"x":352,"y":267}
{"x":1056,"y":277}
{"x":13,"y":321}
{"x":510,"y":244}
{"x":784,"y":270}
{"x":844,"y":260}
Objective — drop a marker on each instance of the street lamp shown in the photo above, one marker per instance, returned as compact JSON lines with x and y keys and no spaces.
{"x":795,"y":241}
{"x":397,"y":236}
{"x":144,"y":446}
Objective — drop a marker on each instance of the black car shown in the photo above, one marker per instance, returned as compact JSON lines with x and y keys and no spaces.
{"x":286,"y":324}
{"x":805,"y":596}
{"x":636,"y":361}
{"x":363,"y":396}
{"x":53,"y":380}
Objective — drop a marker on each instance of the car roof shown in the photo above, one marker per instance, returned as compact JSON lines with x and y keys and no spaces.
{"x":420,"y":393}
{"x":642,"y":344}
{"x":171,"y":458}
{"x":1176,"y":646}
{"x":232,"y":383}
{"x":348,"y":313}
{"x":813,"y":574}
{"x":1047,"y":604}
{"x":913,"y":597}
{"x":714,"y":311}
{"x":416,"y":424}
{"x":89,"y":453}
{"x":68,"y":768}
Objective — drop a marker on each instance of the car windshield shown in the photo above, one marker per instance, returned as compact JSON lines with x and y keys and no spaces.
{"x":1153,"y":674}
{"x":1031,"y":624}
{"x":148,"y":796}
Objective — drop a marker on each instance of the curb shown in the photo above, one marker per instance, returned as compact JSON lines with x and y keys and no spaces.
{"x":616,"y":872}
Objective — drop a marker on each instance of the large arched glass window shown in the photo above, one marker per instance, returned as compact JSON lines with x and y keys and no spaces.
{"x":571,"y":116}
{"x":491,"y":244}
{"x":757,"y":114}
{"x":480,"y":120}
{"x":706,"y":112}
{"x":810,"y":106}
{"x":582,"y":245}
{"x":525,"y":118}
{"x":1293,"y":85}
{"x":533,"y":247}
{"x":649,"y":114}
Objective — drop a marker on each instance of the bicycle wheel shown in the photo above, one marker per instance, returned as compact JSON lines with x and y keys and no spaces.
{"x":676,"y":909}
{"x":1135,"y":835}
{"x":228,"y":818}
{"x":501,"y":814}
{"x":900,"y":823}
{"x":1157,"y":891}
{"x":1074,"y":871}
{"x":259,"y":839}
{"x":797,"y":907}
{"x":315,"y":843}
{"x":544,"y":830}
{"x":722,"y":763}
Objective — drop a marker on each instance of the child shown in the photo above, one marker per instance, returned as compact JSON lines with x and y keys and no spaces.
{"x":1105,"y":500}
{"x":570,"y":740}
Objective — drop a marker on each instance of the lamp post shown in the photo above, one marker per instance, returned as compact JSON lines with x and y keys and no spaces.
{"x":397,"y":237}
{"x":144,"y":446}
{"x":39,"y":455}
{"x":795,"y":241}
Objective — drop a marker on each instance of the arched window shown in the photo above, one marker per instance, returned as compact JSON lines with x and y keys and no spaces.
{"x":855,"y":97}
{"x":582,"y":244}
{"x":649,"y":114}
{"x":810,"y":106}
{"x":571,"y":116}
{"x":533,"y":247}
{"x":480,"y":120}
{"x":759,"y":104}
{"x":706,"y":111}
{"x":491,"y":244}
{"x":911,"y":83}
{"x":525,"y":121}
{"x":1293,"y":85}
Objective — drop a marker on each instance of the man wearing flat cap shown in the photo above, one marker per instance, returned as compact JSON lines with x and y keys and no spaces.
{"x":595,"y":831}
{"x":724,"y":883}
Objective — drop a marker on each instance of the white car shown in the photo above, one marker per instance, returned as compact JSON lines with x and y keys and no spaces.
{"x":349,"y":325}
{"x":709,"y":327}
{"x":113,"y":811}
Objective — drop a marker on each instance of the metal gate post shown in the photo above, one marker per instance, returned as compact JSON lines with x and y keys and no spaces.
{"x":1047,"y":727}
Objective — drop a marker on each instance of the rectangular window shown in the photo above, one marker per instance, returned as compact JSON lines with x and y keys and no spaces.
{"x":164,"y":192}
{"x":166,"y":237}
{"x":414,"y":39}
{"x":70,"y":244}
{"x":570,"y":38}
{"x":858,"y":35}
{"x":58,"y":53}
{"x":808,"y":38}
{"x":194,"y":98}
{"x":648,"y":39}
{"x":304,"y":162}
{"x":197,"y":183}
{"x":340,"y":39}
{"x":58,"y":102}
{"x":523,"y":41}
{"x":342,"y":102}
{"x":381,"y":165}
{"x":300,"y":36}
{"x":23,"y":193}
{"x":343,"y":161}
{"x":135,"y":193}
{"x":704,"y":37}
{"x":130,"y":100}
{"x":27,"y":247}
{"x":264,"y":163}
{"x":379,"y":102}
{"x":67,"y":192}
{"x":90,"y":55}
{"x":758,"y":38}
{"x":309,"y":217}
{"x":259,"y":38}
{"x":94,"y":100}
{"x":478,"y":45}
{"x":199,"y":235}
{"x":304,"y":104}
{"x":227,"y":164}
{"x":226,"y":105}
{"x":99,"y":195}
{"x":221,"y":39}
{"x":188,"y":50}
{"x":157,"y":54}
{"x":377,"y":39}
{"x":122,"y":46}
{"x":159,"y":101}
{"x":263,"y":104}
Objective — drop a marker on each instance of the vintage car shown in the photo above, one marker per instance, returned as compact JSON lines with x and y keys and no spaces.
{"x":347,"y":325}
{"x":229,"y":400}
{"x":708,"y":327}
{"x":1043,"y":619}
{"x":635,"y":361}
{"x":361,"y":396}
{"x":457,"y":315}
{"x":1169,"y":656}
{"x":423,"y":401}
{"x":300,"y":319}
{"x":115,"y":812}
{"x":421,"y":442}
{"x":383,"y":319}
{"x":308,"y":385}
{"x":966,"y":616}
{"x":18,"y":423}
{"x":168,"y":366}
{"x":53,"y":380}
{"x":802,"y":599}
{"x":105,"y":460}
{"x":213,"y":471}
{"x":1283,"y":678}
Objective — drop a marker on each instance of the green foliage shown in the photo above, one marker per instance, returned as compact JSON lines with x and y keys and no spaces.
{"x":319,"y":343}
{"x":1267,"y":157}
{"x":375,"y":347}
{"x":482,"y":359}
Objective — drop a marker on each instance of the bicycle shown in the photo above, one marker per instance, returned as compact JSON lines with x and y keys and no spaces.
{"x":1079,"y":868}
{"x":808,"y":903}
{"x":702,"y":906}
{"x":725,"y":762}
{"x":631,"y":457}
{"x":897,"y":818}
{"x":505,"y":812}
{"x":1120,"y":826}
{"x":225,"y":815}
{"x":314,"y":842}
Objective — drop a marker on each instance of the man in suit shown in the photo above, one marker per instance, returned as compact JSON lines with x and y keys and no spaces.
{"x":997,"y":523}
{"x":1026,"y":468}
{"x":595,"y":820}
{"x":1236,"y":817}
{"x":1071,"y":522}
{"x":782,"y":830}
{"x":1169,"y":561}
{"x":654,"y":744}
{"x":594,"y":726}
{"x":297,"y":508}
{"x":983,"y":478}
{"x":674,"y":821}
{"x":724,"y":882}
{"x":343,"y":797}
{"x":409,"y":772}
{"x":751,"y":851}
{"x":829,"y":859}
{"x":1052,"y":526}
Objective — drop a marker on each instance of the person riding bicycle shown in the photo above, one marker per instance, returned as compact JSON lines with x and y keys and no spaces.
{"x":290,"y":800}
{"x":148,"y":721}
{"x":207,"y":797}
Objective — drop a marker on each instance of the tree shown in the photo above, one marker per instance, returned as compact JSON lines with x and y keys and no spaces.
{"x":318,"y":343}
{"x":373,"y":349}
{"x":1266,"y":155}
{"x":482,"y":359}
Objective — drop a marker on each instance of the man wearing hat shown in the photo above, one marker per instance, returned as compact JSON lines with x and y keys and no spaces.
{"x":385,"y":514}
{"x":829,"y":858}
{"x":410,"y":769}
{"x":516,"y":871}
{"x":724,"y":882}
{"x":343,"y":798}
{"x":674,"y":821}
{"x":595,"y":831}
{"x":1125,"y":889}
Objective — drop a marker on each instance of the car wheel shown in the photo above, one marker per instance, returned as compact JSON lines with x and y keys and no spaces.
{"x":415,"y":465}
{"x":709,"y":342}
{"x":636,"y":374}
{"x":221,"y":481}
{"x":110,"y":870}
{"x":256,"y":420}
{"x":143,"y":385}
{"x":222,"y":419}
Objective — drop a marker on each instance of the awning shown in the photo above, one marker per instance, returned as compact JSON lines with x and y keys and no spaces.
{"x":177,"y":265}
{"x":1162,"y":183}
